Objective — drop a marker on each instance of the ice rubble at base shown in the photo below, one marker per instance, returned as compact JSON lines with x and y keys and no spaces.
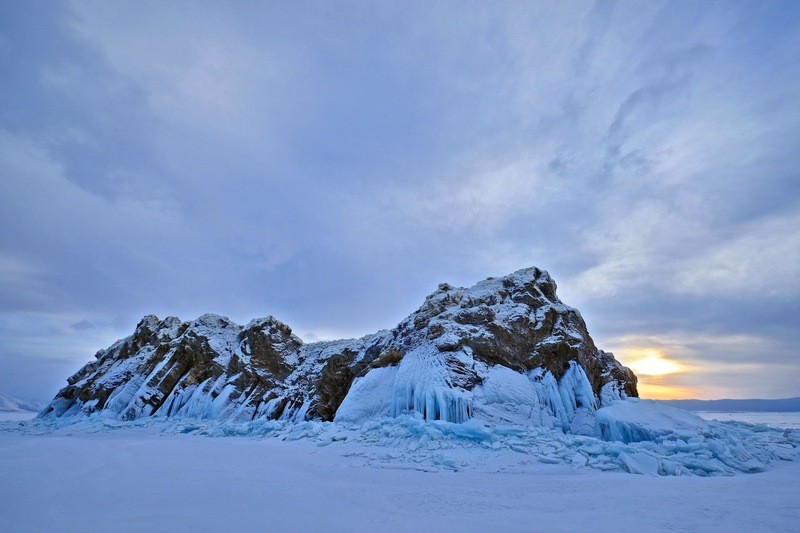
{"x":679,"y":443}
{"x":553,"y":421}
{"x":511,"y":422}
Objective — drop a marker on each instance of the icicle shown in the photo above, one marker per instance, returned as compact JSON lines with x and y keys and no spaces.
{"x":421,"y":386}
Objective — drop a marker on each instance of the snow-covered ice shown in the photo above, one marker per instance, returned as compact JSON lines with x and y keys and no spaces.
{"x":401,"y":473}
{"x":487,"y":408}
{"x":635,"y":436}
{"x":774,"y":419}
{"x":139,"y":478}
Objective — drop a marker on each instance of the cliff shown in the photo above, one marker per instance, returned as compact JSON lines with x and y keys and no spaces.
{"x":506,"y":349}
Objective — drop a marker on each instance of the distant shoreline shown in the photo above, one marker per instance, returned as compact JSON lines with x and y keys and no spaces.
{"x":785,"y":405}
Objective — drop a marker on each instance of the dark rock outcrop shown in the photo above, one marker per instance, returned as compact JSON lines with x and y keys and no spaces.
{"x":214,"y":368}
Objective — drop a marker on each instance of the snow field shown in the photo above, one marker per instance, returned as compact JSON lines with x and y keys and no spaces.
{"x":678,"y":443}
{"x":141,"y":479}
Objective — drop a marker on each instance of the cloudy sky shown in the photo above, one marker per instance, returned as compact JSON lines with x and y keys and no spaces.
{"x":329,"y":163}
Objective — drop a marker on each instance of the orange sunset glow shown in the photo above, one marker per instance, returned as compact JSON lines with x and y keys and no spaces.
{"x":660,"y":376}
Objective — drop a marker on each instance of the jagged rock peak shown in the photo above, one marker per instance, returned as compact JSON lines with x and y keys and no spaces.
{"x":526,"y":278}
{"x":454,"y":358}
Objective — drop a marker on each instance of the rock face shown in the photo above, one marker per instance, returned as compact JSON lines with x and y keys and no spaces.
{"x":506,"y":349}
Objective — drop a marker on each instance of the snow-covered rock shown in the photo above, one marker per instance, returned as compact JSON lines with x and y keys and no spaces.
{"x":489,"y":373}
{"x":505,"y":350}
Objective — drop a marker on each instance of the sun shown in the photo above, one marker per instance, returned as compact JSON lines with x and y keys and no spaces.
{"x":648,"y":361}
{"x":653,"y":363}
{"x":660,"y":376}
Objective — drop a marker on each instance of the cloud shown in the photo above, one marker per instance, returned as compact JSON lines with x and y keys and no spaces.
{"x":666,"y":250}
{"x":331,"y":165}
{"x":82,"y":325}
{"x":482,"y":200}
{"x":57,"y":224}
{"x":40,"y":350}
{"x":207,"y":80}
{"x":21,"y":276}
{"x":762,"y":260}
{"x":710,"y":365}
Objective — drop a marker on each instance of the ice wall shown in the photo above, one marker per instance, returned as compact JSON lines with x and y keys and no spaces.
{"x":537,"y":398}
{"x":422,"y":386}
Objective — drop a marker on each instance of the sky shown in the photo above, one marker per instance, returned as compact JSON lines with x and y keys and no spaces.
{"x":329,"y":163}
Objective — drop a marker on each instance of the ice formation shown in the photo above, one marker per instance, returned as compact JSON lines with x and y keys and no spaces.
{"x":446,"y":359}
{"x":503,"y":363}
{"x":677,"y":443}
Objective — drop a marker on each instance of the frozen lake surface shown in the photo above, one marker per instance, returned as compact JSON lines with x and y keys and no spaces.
{"x":773,"y":419}
{"x":16,"y":416}
{"x":137,"y":480}
{"x":780,"y":420}
{"x":157,"y":476}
